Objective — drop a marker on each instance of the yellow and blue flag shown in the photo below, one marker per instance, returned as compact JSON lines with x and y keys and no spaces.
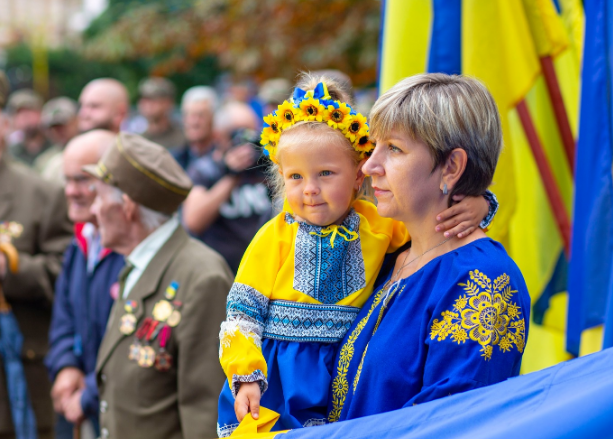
{"x":508,"y":45}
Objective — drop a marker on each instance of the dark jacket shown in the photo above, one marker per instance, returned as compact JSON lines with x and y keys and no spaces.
{"x":40,"y":207}
{"x":181,"y":402}
{"x":82,"y":305}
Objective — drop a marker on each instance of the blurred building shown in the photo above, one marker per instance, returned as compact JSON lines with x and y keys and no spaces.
{"x":48,"y":22}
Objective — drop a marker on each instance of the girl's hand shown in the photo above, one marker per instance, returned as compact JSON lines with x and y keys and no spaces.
{"x":248,"y":400}
{"x":462,"y":218}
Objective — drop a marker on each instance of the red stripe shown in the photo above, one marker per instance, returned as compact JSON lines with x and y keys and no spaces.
{"x":559,"y":110}
{"x":553,"y":192}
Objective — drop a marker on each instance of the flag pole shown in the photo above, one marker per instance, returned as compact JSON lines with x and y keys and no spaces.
{"x":551,"y":187}
{"x":559,"y":109}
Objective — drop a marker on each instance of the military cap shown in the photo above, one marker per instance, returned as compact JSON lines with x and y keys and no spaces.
{"x":22,"y":99}
{"x":145,"y":171}
{"x":58,"y":111}
{"x":156,"y":87}
{"x":5,"y":88}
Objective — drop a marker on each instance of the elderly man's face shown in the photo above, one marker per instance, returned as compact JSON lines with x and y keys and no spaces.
{"x":79,"y":189}
{"x":197,"y":121}
{"x":27,"y":119}
{"x":155,"y":109}
{"x":110,"y":215}
{"x":97,"y":110}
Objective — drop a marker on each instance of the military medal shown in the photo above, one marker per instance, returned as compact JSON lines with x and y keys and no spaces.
{"x":163,"y":360}
{"x":127,"y":323}
{"x":171,"y":291}
{"x":174,"y":319}
{"x":162,"y":310}
{"x":134,"y":353}
{"x":146,"y":356}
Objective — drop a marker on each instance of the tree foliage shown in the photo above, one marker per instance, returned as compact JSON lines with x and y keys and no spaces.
{"x":265,"y":38}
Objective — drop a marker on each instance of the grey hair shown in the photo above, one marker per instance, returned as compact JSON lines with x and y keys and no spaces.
{"x":198,"y":94}
{"x":445,"y":112}
{"x":150,"y":219}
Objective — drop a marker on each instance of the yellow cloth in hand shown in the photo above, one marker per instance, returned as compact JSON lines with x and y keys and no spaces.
{"x":258,"y":428}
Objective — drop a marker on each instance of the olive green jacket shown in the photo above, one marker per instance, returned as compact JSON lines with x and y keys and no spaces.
{"x":40,"y":208}
{"x":139,"y":402}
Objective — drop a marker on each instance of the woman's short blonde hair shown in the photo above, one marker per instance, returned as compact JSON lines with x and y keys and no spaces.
{"x":445,"y":112}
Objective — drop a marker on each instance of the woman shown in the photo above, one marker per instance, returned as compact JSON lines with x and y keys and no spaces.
{"x":448,"y":314}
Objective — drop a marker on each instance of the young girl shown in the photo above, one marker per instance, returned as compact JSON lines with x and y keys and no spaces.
{"x":309,"y":270}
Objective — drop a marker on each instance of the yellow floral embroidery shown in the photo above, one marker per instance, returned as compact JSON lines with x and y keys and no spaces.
{"x":340,"y":386}
{"x":359,"y":371}
{"x":485,"y":315}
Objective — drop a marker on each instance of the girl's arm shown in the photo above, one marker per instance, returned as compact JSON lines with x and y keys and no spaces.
{"x":467,"y":214}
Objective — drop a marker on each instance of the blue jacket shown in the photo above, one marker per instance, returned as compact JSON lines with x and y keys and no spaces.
{"x":80,"y":312}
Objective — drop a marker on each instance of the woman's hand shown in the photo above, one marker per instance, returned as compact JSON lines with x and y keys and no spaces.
{"x":248,"y":400}
{"x":462,"y":218}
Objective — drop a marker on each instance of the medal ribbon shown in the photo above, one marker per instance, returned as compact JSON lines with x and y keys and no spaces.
{"x":164,"y":336}
{"x":144,"y":329}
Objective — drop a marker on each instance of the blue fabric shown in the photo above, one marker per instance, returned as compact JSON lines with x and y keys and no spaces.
{"x":311,"y":368}
{"x":567,"y":401}
{"x":591,"y":263}
{"x":413,"y":336}
{"x":11,"y":343}
{"x":80,"y":313}
{"x":446,"y":38}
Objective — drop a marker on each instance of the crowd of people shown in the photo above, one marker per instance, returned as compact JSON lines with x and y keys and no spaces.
{"x":137,"y":237}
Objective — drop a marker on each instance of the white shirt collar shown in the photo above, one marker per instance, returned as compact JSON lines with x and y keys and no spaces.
{"x":148,"y":248}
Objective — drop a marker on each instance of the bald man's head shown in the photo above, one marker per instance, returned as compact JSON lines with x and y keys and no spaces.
{"x":85,"y":149}
{"x":104,"y":104}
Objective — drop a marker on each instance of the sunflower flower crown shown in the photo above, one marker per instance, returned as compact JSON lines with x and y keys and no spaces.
{"x":316,"y":106}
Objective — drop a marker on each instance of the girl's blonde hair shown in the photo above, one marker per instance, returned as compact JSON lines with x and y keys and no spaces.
{"x":309,"y":133}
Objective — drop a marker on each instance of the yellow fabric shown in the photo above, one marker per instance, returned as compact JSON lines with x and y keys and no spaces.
{"x":502,"y":42}
{"x":406,"y":40}
{"x":259,"y":428}
{"x":548,"y":30}
{"x":273,"y":247}
{"x":497,"y":49}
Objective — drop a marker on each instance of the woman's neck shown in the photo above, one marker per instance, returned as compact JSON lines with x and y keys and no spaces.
{"x":430,"y":243}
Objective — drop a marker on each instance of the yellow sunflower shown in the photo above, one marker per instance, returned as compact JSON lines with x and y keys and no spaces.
{"x":270,"y":135}
{"x":286,"y":114}
{"x":362,"y":142}
{"x":338,"y":116}
{"x":354,"y":126}
{"x":312,"y":110}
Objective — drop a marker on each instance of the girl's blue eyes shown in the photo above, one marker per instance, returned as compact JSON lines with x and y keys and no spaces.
{"x":394,"y":148}
{"x":298,"y":176}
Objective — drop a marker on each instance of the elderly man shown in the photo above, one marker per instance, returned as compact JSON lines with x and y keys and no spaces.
{"x":24,"y":107}
{"x":197,"y":108}
{"x":158,"y":371}
{"x":36,"y":210}
{"x":84,"y":292}
{"x":230,"y":200}
{"x":59,"y":117}
{"x":157,"y":100}
{"x":104,"y":105}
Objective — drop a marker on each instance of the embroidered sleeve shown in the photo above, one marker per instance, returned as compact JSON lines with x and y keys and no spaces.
{"x":492,"y":201}
{"x":240,"y":336}
{"x":477,"y":336}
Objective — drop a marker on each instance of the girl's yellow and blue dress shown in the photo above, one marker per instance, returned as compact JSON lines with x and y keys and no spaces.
{"x":297,"y":292}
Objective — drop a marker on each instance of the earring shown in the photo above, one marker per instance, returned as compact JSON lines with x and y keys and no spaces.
{"x":445,"y":191}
